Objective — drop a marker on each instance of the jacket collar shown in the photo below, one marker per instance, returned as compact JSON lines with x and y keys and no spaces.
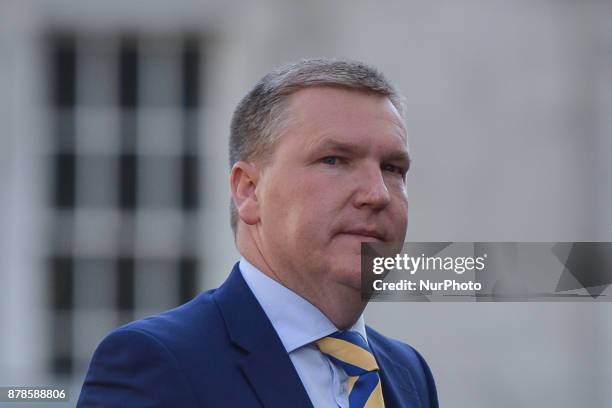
{"x":266,"y":365}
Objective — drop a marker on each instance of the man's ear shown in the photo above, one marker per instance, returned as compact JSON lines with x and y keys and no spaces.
{"x":243,"y":181}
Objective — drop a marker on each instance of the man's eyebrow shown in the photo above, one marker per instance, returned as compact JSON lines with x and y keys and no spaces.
{"x":335,"y":145}
{"x":400,"y":156}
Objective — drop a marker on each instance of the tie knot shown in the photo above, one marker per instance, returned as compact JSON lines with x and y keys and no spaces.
{"x":350,"y":351}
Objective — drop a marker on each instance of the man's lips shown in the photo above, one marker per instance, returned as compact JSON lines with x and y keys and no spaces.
{"x":366,"y":234}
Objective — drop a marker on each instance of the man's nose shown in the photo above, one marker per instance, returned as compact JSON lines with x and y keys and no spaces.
{"x":371,"y":189}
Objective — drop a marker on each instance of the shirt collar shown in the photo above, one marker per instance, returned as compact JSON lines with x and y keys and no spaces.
{"x":297,"y":321}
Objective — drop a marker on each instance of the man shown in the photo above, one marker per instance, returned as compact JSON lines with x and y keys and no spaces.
{"x":318,"y":162}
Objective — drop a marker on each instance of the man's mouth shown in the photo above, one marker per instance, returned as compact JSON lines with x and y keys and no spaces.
{"x":366,"y":234}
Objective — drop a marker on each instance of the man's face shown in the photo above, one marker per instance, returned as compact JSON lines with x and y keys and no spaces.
{"x":335,"y":179}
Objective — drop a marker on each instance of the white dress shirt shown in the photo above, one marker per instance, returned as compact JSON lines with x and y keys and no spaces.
{"x":299,"y":323}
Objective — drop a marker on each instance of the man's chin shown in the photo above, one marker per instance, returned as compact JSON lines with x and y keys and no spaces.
{"x":348,"y":274}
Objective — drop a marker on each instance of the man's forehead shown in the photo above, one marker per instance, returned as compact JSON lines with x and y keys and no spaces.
{"x":330,"y":102}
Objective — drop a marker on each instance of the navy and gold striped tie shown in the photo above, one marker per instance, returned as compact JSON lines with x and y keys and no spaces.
{"x":351,"y":352}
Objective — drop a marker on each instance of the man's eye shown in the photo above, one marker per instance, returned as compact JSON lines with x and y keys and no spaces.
{"x":330,"y":160}
{"x":393,"y":169}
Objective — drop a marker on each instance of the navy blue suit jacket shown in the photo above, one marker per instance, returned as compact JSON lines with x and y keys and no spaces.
{"x":220,"y":350}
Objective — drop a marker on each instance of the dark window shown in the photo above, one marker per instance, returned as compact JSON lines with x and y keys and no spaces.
{"x":63,"y":64}
{"x":128,"y":73}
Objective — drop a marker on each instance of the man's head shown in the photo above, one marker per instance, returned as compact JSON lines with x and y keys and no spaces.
{"x":318,"y":154}
{"x":258,"y":119}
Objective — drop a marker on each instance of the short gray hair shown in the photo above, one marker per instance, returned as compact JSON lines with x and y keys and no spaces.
{"x":258,"y":117}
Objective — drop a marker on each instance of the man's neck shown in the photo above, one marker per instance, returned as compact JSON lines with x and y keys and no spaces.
{"x":341,"y":304}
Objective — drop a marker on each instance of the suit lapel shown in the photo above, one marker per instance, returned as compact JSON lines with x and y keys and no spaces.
{"x":397,"y":383}
{"x":266,"y":365}
{"x":275,"y":380}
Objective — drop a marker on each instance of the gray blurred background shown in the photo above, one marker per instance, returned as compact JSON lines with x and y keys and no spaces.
{"x":113,"y":169}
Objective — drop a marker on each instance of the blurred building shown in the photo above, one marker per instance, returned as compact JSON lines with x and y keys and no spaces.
{"x":113,"y":169}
